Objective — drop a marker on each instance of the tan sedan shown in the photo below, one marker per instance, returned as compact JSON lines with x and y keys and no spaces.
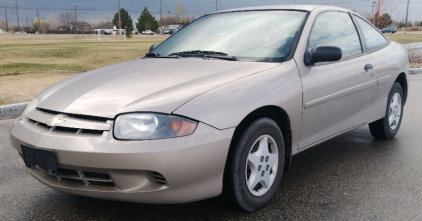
{"x":218,"y":108}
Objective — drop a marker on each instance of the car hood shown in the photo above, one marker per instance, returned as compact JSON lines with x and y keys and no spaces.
{"x":150,"y":84}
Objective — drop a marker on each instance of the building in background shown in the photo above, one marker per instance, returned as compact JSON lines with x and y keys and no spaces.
{"x":80,"y":26}
{"x":171,"y":29}
{"x":106,"y":27}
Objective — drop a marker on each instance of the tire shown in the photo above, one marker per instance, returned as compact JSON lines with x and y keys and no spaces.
{"x":386,"y":128}
{"x":238,"y":172}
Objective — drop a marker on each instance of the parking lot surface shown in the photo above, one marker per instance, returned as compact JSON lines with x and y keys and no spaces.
{"x":352,"y":177}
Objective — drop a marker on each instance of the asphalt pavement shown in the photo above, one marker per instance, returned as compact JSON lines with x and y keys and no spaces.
{"x":352,"y":177}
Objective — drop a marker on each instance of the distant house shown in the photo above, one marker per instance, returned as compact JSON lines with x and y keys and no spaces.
{"x":106,"y":27}
{"x":80,"y":26}
{"x":1,"y":31}
{"x":171,"y":29}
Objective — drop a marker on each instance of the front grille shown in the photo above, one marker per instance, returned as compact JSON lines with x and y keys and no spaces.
{"x":72,"y":124}
{"x":83,"y":177}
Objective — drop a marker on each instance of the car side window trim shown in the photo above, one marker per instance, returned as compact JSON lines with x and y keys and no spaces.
{"x":363,"y":48}
{"x":362,"y":41}
{"x":367,"y":50}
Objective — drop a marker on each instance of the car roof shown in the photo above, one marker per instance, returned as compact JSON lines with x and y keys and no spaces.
{"x":285,"y":7}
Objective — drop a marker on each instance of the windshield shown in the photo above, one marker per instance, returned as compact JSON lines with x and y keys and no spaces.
{"x":247,"y":36}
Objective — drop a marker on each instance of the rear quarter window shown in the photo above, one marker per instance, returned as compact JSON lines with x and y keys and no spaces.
{"x":372,"y":37}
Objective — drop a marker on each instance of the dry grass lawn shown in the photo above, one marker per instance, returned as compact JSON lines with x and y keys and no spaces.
{"x":409,"y":37}
{"x":30,"y":63}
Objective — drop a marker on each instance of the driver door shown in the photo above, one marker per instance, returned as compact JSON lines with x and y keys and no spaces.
{"x":337,"y":95}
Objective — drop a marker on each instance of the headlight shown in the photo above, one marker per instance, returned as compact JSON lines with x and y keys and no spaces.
{"x":149,"y":126}
{"x":31,"y":106}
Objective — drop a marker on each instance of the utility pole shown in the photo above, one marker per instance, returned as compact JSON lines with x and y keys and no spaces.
{"x":295,"y":2}
{"x":216,"y":5}
{"x":5,"y":12}
{"x":76,"y":15}
{"x":407,"y":17}
{"x":39,"y":24}
{"x":76,"y":20}
{"x":120,"y":21}
{"x":161,"y":17}
{"x":372,"y":15}
{"x":398,"y":20}
{"x":17,"y":13}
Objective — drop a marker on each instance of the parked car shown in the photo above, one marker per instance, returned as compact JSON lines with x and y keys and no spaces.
{"x":389,"y":30}
{"x":30,"y":31}
{"x":107,"y":33}
{"x":12,"y":32}
{"x":215,"y":114}
{"x":148,"y":32}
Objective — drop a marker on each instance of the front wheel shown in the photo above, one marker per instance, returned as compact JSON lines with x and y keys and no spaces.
{"x":388,"y":127}
{"x":255,"y":166}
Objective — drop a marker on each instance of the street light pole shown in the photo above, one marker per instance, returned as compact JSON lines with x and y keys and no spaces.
{"x":161,"y":17}
{"x":407,"y":17}
{"x":372,"y":15}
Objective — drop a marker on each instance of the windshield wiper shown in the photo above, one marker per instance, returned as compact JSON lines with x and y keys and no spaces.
{"x":197,"y":52}
{"x":227,"y":58}
{"x":205,"y":54}
{"x":155,"y":55}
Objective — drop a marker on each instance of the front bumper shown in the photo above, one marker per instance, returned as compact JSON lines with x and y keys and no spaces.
{"x":192,"y":166}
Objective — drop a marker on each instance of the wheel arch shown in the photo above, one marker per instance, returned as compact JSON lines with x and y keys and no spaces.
{"x":280,"y":116}
{"x":402,"y":80}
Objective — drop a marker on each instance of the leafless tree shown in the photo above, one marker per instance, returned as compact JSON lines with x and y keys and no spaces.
{"x":99,"y":23}
{"x":3,"y":24}
{"x":171,"y":20}
{"x":66,"y":18}
{"x":53,"y":22}
{"x":383,"y":7}
{"x":45,"y":27}
{"x":180,"y":11}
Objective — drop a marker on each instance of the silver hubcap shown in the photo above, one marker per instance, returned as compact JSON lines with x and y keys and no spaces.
{"x":394,"y":111}
{"x":261,"y":166}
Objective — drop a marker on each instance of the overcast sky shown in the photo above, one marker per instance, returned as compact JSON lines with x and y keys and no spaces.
{"x":95,"y":10}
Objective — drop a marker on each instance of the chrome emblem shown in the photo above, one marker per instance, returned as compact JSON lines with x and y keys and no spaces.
{"x":54,"y":121}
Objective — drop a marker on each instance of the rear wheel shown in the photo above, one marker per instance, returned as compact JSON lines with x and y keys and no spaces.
{"x":255,"y":166}
{"x":388,"y":127}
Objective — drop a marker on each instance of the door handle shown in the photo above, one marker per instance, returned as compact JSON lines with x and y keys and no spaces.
{"x":369,"y":67}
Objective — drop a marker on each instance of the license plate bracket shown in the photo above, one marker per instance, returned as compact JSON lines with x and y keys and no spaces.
{"x":43,"y":158}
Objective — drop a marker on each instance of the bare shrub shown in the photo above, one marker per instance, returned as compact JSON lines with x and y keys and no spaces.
{"x":415,"y":56}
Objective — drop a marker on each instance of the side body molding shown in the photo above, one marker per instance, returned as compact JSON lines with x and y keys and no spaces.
{"x":342,"y":93}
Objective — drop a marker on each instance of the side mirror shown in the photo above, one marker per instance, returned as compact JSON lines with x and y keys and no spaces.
{"x":153,"y":47}
{"x":323,"y":54}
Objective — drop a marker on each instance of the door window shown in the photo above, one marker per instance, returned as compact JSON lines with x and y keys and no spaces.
{"x":336,"y":29}
{"x":373,"y":39}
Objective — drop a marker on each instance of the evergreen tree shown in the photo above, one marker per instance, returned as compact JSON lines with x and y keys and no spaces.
{"x":126,"y":21}
{"x":146,"y":22}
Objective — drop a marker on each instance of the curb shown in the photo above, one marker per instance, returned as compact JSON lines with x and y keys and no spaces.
{"x":17,"y":109}
{"x":415,"y":71}
{"x":12,"y":109}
